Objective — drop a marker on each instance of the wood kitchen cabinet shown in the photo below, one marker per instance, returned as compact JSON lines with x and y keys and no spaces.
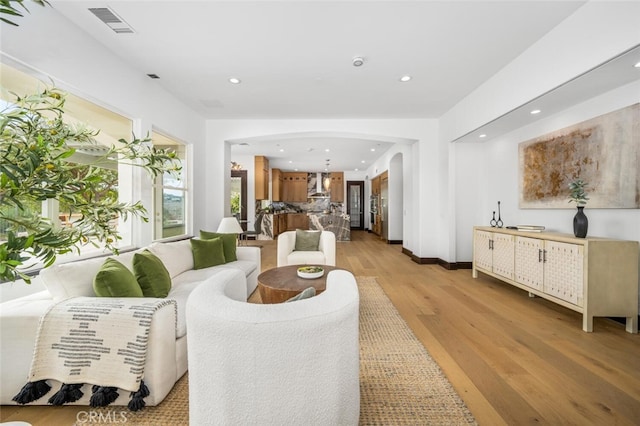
{"x":297,"y":221}
{"x":337,"y":187}
{"x":262,"y":177}
{"x":294,"y":186}
{"x":279,"y":224}
{"x":597,"y":277}
{"x":277,"y":185}
{"x":376,"y":216}
{"x":375,"y":185}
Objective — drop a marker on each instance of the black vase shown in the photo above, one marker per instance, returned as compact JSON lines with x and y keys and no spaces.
{"x":580,"y":223}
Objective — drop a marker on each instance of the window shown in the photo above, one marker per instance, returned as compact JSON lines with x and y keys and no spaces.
{"x":170,"y":195}
{"x":112,"y":127}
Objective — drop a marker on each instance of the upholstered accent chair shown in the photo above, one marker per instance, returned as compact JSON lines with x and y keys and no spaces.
{"x":298,"y":248}
{"x":278,"y":364}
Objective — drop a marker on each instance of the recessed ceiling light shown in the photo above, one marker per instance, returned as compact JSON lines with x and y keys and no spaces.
{"x":373,"y":150}
{"x":637,"y":65}
{"x":234,"y":80}
{"x":290,"y":161}
{"x":405,"y":78}
{"x":356,"y":169}
{"x":362,"y":161}
{"x":281,"y":150}
{"x":295,"y":170}
{"x":358,"y":61}
{"x":326,"y":150}
{"x":482,"y":136}
{"x":536,"y":111}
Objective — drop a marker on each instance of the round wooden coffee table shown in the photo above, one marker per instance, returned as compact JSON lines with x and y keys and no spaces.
{"x":280,"y":284}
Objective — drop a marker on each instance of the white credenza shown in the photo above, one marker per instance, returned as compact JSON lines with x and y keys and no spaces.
{"x":595,"y":276}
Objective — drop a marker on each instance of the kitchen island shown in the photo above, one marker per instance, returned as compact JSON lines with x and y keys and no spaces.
{"x":275,"y":224}
{"x":339,"y":224}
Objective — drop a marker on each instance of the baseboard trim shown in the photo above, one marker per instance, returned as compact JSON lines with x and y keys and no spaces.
{"x":451,"y":266}
{"x":394,"y":241}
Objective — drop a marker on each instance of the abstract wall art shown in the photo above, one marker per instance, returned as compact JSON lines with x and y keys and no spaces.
{"x":604,"y":151}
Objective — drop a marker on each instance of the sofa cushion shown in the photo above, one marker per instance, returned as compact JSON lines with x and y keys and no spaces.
{"x":307,"y":240}
{"x":180,"y":292}
{"x":175,"y":256}
{"x":207,"y":253}
{"x":306,"y":258}
{"x":229,"y":243}
{"x":71,"y":279}
{"x":151,"y":274}
{"x":115,"y":280}
{"x":245,"y":266}
{"x":200,"y":275}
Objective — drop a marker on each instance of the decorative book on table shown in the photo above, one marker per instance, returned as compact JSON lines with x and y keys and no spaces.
{"x":530,"y":228}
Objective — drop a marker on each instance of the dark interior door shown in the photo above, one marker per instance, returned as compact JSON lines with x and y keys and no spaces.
{"x":355,"y":203}
{"x":241,"y":175}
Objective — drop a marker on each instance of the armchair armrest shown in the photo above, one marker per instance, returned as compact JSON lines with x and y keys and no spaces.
{"x":249,"y":253}
{"x":328,"y":247}
{"x":286,"y":244}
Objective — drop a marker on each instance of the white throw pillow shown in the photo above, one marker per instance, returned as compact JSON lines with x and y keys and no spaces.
{"x":71,"y":279}
{"x":74,"y":279}
{"x":176,"y":256}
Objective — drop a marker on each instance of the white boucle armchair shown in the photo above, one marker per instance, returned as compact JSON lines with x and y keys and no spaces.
{"x":325,"y":255}
{"x":291,"y":363}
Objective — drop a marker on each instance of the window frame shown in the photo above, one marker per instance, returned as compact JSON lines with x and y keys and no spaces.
{"x":163,"y":139}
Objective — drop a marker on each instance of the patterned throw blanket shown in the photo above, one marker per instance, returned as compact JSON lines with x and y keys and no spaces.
{"x":95,"y":340}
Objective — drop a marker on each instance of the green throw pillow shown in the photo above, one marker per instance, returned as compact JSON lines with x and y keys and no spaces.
{"x":115,"y":280}
{"x":307,"y":240}
{"x":207,"y":253}
{"x":228,"y":243}
{"x":152,"y":275}
{"x":304,"y":294}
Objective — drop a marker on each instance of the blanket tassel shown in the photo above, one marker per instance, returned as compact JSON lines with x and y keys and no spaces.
{"x":103,"y":396}
{"x":67,"y":393}
{"x":32,"y":391}
{"x":137,"y":398}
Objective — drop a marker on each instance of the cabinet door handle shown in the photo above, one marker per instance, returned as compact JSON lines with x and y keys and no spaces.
{"x":544,"y":256}
{"x":539,"y":255}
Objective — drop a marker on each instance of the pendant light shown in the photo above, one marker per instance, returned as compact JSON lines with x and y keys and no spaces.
{"x":326,"y":183}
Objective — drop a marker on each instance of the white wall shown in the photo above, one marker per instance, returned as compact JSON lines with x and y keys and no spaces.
{"x":487,"y":172}
{"x":480,"y":175}
{"x":595,"y":33}
{"x":396,"y":199}
{"x":423,"y":134}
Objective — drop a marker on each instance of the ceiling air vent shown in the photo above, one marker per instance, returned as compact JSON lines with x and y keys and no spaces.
{"x":112,"y":20}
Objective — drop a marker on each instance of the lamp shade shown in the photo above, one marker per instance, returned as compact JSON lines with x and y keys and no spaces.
{"x":229,"y":225}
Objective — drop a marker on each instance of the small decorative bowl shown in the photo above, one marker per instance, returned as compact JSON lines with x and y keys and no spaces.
{"x":310,"y":272}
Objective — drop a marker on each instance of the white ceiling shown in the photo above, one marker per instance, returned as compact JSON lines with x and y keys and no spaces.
{"x":295,"y":58}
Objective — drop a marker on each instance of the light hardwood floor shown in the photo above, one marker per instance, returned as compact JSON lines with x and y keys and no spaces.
{"x":514,"y":360}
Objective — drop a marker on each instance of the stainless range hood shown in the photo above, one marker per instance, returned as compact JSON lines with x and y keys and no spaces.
{"x":319,"y":189}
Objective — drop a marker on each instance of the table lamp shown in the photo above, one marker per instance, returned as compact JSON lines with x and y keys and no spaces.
{"x":230,"y":225}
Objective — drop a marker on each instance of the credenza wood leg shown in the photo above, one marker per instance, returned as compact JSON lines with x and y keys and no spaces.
{"x":587,"y":322}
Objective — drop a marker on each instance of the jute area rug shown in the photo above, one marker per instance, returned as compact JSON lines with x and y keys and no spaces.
{"x":400,"y":384}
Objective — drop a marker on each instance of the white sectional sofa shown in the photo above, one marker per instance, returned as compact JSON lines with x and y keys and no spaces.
{"x":167,"y":351}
